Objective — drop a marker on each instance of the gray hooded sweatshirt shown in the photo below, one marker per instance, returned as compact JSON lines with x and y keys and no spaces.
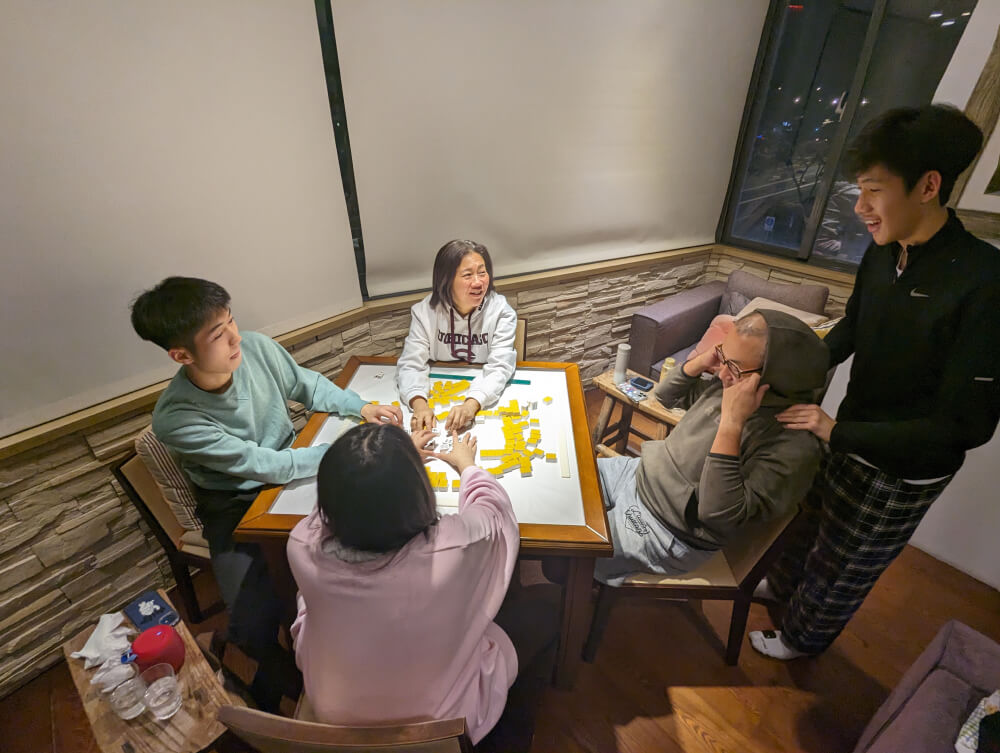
{"x":705,"y":497}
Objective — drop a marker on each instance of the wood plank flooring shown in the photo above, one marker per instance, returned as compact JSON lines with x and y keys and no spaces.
{"x":659,"y":682}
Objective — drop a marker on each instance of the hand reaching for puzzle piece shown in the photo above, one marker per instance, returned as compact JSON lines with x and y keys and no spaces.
{"x":462,"y":415}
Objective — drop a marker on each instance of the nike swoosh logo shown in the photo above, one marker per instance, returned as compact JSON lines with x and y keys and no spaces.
{"x":915,"y":294}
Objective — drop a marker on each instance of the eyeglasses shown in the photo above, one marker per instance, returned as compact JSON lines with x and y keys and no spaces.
{"x":735,"y":370}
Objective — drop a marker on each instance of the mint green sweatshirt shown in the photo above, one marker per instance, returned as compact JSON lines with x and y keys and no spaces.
{"x":241,"y":438}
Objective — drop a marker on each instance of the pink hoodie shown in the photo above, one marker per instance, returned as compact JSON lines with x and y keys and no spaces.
{"x":409,"y":636}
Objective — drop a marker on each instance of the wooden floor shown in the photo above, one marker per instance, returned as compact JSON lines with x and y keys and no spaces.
{"x":659,"y":682}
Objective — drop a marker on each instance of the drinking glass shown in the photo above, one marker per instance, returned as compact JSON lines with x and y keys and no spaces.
{"x":163,"y":694}
{"x":127,"y":699}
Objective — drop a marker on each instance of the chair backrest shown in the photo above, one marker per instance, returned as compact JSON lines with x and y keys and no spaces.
{"x":520,"y":334}
{"x":742,"y":287}
{"x":277,"y":734}
{"x":754,"y":542}
{"x":174,"y":486}
{"x":142,"y":489}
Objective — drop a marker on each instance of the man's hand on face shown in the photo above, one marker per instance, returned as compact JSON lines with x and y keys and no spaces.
{"x":699,"y":364}
{"x":741,"y":399}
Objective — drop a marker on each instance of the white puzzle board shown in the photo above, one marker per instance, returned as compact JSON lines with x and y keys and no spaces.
{"x":546,"y":497}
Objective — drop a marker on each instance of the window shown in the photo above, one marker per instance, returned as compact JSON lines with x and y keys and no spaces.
{"x":824,"y":69}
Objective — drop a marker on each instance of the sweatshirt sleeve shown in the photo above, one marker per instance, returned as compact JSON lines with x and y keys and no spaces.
{"x":300,"y":621}
{"x":487,"y":513}
{"x":490,"y":383}
{"x":678,"y":390}
{"x":209,"y":446}
{"x":413,"y":366}
{"x":309,"y":387}
{"x":734,"y":491}
{"x":968,"y":403}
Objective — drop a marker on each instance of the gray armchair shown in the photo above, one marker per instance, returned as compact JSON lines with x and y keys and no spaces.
{"x":936,"y":694}
{"x":671,"y":327}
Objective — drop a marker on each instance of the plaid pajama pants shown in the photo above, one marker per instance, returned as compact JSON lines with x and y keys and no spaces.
{"x":857,"y":521}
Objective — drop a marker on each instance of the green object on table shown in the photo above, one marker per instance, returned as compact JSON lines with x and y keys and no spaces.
{"x":469,"y":378}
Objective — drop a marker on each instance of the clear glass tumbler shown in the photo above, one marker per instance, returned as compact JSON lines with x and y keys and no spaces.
{"x":163,"y":694}
{"x":128,"y":699}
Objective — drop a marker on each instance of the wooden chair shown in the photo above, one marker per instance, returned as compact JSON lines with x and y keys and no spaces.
{"x":275,"y":734}
{"x":731,"y":575}
{"x":520,"y":335}
{"x":184,"y":548}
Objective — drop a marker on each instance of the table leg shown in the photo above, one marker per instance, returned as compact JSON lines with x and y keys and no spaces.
{"x":602,"y":419}
{"x":661,"y":430}
{"x":281,"y":576}
{"x":575,"y":620}
{"x":624,"y":427}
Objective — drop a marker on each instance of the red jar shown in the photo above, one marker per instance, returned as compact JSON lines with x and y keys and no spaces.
{"x":159,"y":644}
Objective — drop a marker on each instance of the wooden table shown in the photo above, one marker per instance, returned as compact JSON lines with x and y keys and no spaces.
{"x":193,"y":728}
{"x":577,"y":544}
{"x":620,"y":430}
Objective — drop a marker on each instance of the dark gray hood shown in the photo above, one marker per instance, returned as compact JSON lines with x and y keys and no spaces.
{"x":795,"y":362}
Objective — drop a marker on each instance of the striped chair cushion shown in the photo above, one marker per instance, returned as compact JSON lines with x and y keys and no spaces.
{"x":173,"y":483}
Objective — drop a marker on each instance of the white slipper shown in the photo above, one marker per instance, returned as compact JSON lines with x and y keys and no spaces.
{"x":770,"y":643}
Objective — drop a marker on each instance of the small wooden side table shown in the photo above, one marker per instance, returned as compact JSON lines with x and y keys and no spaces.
{"x":620,"y":430}
{"x":193,"y":728}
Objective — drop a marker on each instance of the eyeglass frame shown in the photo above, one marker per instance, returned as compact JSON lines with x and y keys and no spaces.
{"x":735,"y":370}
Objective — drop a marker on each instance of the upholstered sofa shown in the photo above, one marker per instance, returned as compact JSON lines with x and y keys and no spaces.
{"x":936,"y":695}
{"x":671,"y":327}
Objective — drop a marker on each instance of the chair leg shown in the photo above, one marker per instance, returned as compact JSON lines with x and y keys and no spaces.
{"x":602,"y":612}
{"x":602,"y":419}
{"x":185,"y":586}
{"x":737,"y":628}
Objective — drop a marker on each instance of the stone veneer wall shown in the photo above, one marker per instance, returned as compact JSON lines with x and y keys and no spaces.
{"x":73,"y":547}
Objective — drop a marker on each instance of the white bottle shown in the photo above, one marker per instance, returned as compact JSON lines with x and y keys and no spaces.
{"x":621,"y":362}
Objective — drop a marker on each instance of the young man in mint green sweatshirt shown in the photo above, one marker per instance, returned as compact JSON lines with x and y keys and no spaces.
{"x":225,"y":418}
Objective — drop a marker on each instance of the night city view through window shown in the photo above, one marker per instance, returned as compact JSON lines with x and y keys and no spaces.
{"x":805,"y":96}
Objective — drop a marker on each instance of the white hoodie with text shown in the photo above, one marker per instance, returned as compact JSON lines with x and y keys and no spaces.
{"x":441,"y":334}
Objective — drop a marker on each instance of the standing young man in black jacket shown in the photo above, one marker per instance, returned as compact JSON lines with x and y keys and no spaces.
{"x":923,"y":324}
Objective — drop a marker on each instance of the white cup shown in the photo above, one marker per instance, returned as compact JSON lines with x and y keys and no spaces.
{"x":621,"y":362}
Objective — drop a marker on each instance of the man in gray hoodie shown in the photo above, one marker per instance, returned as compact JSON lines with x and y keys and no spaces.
{"x":728,"y":462}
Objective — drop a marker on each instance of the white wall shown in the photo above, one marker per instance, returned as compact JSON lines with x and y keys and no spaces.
{"x":556,"y":132}
{"x":141,"y":140}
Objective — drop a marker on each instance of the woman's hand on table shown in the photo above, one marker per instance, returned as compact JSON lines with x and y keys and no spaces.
{"x":462,"y":454}
{"x":421,"y":438}
{"x":462,"y":416}
{"x":423,"y":416}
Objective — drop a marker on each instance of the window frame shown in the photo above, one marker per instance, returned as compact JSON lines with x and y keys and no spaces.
{"x":338,"y":119}
{"x":767,"y":54}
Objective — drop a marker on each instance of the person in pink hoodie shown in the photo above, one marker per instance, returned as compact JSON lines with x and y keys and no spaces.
{"x":396,"y":603}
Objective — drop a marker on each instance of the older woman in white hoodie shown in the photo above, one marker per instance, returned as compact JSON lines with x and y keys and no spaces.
{"x":463,"y":319}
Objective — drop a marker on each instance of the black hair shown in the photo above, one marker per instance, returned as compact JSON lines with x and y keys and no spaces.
{"x":911,"y":141}
{"x":171,"y":313}
{"x":449,"y":256}
{"x":374,"y":494}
